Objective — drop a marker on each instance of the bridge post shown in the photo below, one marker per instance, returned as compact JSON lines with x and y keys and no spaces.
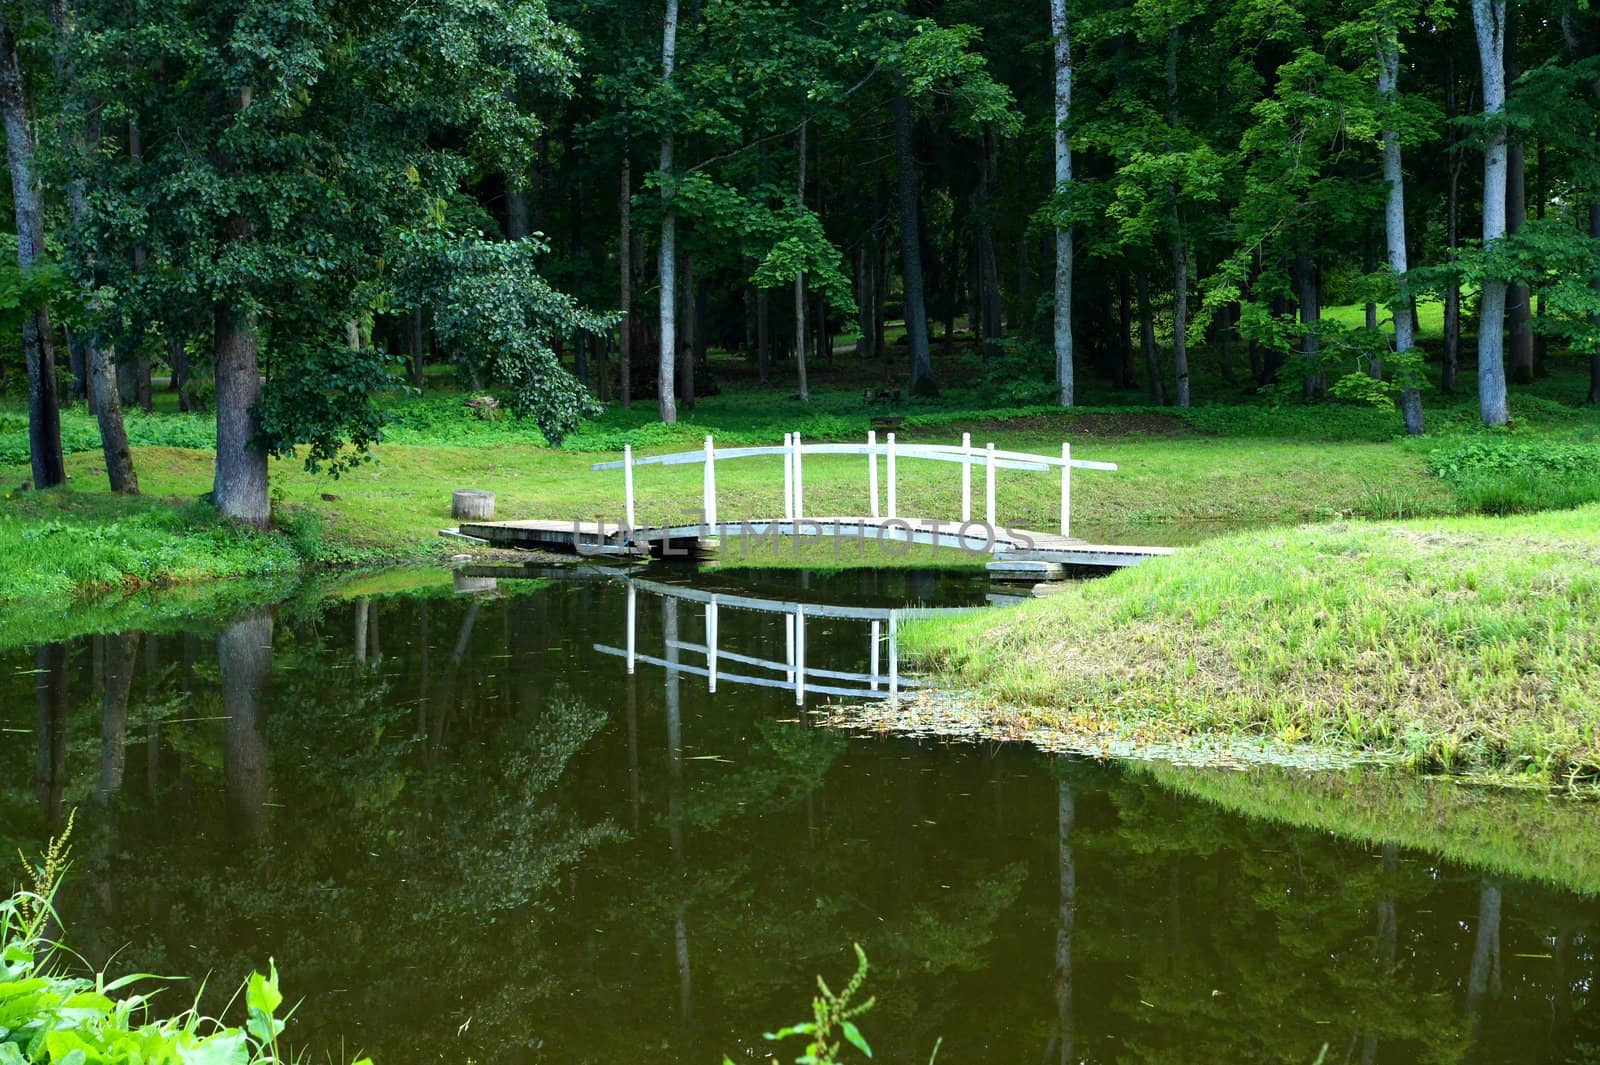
{"x":799,"y":654}
{"x":989,"y":486}
{"x":788,"y":476}
{"x":627,"y":488}
{"x":633,"y":613}
{"x":710,"y":492}
{"x":966,"y":478}
{"x":877,"y":651}
{"x":893,"y":512}
{"x":711,"y":644}
{"x":799,"y":481}
{"x":1066,"y":489}
{"x":894,"y":657}
{"x":872,"y":469}
{"x":788,"y":645}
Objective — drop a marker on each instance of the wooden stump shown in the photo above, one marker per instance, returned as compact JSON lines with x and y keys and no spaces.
{"x":472,"y":505}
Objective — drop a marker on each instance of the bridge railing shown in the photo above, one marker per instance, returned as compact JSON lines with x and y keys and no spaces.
{"x":794,"y":451}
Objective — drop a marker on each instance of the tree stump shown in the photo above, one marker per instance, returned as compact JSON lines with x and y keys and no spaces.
{"x":472,"y":505}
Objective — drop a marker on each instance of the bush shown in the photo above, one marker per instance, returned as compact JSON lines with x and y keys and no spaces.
{"x":1500,"y":474}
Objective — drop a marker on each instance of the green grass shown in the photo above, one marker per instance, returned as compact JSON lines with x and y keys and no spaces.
{"x":1185,"y":475}
{"x":1467,"y":643}
{"x":54,"y":545}
{"x":1505,"y":832}
{"x":1430,"y":318}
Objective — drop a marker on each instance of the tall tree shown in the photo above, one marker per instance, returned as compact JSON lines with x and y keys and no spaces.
{"x":1489,"y":23}
{"x":916,"y":307}
{"x":1394,"y":221}
{"x":75,"y":131}
{"x":1063,"y":160}
{"x":38,"y":334}
{"x":668,"y":260}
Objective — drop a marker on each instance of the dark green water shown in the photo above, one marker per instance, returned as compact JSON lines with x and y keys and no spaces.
{"x":465,"y":834}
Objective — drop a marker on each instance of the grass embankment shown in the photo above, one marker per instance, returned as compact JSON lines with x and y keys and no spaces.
{"x":1468,"y":643}
{"x":1509,"y":833}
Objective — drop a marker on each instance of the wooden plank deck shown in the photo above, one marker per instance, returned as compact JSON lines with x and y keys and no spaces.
{"x":1006,"y":545}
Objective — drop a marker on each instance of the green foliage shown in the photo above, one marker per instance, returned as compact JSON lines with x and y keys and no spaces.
{"x":501,"y":318}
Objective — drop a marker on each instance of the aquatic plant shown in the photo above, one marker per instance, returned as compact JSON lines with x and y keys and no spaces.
{"x":832,"y":1025}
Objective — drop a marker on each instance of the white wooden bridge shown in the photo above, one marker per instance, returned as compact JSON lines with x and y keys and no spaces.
{"x":719,"y":666}
{"x":1028,"y":552}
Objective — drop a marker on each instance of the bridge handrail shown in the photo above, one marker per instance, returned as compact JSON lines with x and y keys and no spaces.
{"x":794,"y":450}
{"x":1005,"y":460}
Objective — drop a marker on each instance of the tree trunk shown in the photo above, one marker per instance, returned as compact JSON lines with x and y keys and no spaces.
{"x":988,"y":271}
{"x":38,"y":339}
{"x":1063,"y":176}
{"x":1180,"y":253}
{"x":1310,"y":300}
{"x":669,"y":231}
{"x":416,"y":346}
{"x":240,"y":487}
{"x":625,"y":280}
{"x":1394,"y":225}
{"x":1489,"y":19}
{"x":1147,"y":341}
{"x":800,"y":281}
{"x":922,"y":381}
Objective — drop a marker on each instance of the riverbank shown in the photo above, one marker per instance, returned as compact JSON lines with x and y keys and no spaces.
{"x":1462,"y":643}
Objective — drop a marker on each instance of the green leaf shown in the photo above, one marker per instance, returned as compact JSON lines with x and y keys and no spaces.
{"x":852,"y":1033}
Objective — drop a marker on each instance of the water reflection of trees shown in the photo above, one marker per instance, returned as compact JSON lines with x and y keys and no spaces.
{"x":466,"y":825}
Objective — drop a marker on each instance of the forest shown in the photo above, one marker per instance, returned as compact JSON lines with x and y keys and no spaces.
{"x":286,"y":214}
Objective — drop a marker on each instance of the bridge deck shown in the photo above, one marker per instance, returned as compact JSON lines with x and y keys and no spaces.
{"x":1020,"y":545}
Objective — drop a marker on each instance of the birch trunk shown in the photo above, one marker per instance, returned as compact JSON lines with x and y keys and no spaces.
{"x":669,"y":232}
{"x":625,"y":285}
{"x":1489,"y":21}
{"x":1180,"y":252}
{"x":800,"y":283}
{"x":1063,"y":175}
{"x":1394,"y":224}
{"x":38,"y":338}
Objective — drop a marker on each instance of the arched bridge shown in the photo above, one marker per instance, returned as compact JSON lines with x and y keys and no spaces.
{"x":1030,"y":552}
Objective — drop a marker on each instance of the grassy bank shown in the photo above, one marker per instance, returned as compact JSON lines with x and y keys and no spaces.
{"x":1185,"y":476}
{"x":1470,"y":643}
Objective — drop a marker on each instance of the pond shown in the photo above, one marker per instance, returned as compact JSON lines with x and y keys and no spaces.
{"x":465,"y":831}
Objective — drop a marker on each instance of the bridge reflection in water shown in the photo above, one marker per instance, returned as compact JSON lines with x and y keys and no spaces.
{"x":880,"y":628}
